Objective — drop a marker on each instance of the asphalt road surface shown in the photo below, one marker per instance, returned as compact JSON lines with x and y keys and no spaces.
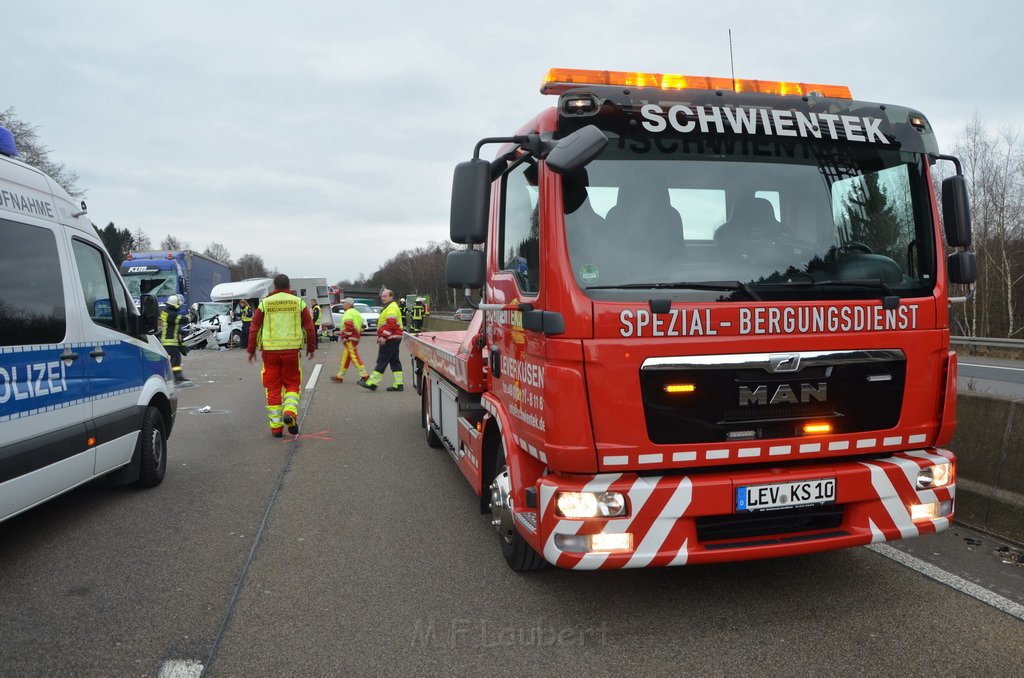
{"x":357,"y":550}
{"x":993,"y":376}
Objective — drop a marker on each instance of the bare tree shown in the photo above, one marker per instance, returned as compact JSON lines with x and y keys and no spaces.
{"x":173,"y":244}
{"x":142,"y":241}
{"x":219,"y":252}
{"x":32,"y":152}
{"x":248,"y":266}
{"x":994,"y":170}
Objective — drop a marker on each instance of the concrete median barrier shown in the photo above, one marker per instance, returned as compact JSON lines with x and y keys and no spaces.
{"x":989,"y":445}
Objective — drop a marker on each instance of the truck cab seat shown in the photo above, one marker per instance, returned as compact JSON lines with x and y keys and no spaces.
{"x":752,"y":223}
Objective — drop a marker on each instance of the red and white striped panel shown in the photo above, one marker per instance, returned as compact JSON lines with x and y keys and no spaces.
{"x":663,"y":509}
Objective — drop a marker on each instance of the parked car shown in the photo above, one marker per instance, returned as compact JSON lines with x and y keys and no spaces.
{"x":464,"y":314}
{"x":369,"y":316}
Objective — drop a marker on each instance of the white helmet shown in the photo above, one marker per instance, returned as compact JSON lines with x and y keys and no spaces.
{"x":174,"y":301}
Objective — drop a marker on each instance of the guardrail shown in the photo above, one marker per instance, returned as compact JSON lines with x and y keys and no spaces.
{"x":989,"y":342}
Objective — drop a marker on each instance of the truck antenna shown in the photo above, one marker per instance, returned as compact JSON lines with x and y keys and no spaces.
{"x":732,"y":65}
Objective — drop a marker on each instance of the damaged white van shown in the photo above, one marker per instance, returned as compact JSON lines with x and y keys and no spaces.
{"x":85,"y":388}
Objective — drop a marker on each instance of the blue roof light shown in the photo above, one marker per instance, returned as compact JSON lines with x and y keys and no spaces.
{"x":7,"y":145}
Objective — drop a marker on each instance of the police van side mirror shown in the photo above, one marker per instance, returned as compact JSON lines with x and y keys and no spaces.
{"x":149,"y":311}
{"x":471,"y":198}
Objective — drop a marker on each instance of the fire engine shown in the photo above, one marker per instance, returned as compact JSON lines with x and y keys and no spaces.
{"x":713,"y":323}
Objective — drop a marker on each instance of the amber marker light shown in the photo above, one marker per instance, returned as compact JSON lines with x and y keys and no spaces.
{"x":558,"y":80}
{"x":813,"y":428}
{"x":680,"y":388}
{"x":92,"y":441}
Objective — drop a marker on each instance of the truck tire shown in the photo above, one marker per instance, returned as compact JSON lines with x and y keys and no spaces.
{"x":235,"y":340}
{"x":152,"y":449}
{"x":432,"y":439}
{"x":519,"y":555}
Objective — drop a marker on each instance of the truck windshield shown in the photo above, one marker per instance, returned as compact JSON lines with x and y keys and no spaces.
{"x":157,"y":283}
{"x":787,"y":219}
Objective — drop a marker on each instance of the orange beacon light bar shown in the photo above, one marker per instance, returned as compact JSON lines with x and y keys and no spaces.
{"x":558,"y":80}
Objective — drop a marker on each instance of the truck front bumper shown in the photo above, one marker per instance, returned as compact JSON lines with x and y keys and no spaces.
{"x":696,"y":518}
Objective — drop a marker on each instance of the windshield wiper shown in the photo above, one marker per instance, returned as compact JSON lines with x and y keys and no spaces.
{"x":889,"y":299}
{"x":684,"y":285}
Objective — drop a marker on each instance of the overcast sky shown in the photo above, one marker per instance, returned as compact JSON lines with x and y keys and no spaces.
{"x":321,"y":135}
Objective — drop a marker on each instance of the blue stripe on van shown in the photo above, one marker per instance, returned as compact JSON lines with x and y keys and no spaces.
{"x":34,"y":380}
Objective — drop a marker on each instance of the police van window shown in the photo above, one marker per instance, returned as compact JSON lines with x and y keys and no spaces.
{"x":103,"y":300}
{"x":31,"y":289}
{"x":520,"y":227}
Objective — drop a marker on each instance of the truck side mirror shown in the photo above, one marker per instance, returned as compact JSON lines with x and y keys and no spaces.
{"x":149,"y":310}
{"x":962,"y":268}
{"x":577,"y":150}
{"x":465,"y":269}
{"x":956,"y":212}
{"x":471,"y":198}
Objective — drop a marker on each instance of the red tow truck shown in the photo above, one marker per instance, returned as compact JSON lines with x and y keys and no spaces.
{"x":713,"y":324}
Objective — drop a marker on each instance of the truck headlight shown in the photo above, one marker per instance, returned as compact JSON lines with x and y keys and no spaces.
{"x":590,"y":504}
{"x":936,"y":475}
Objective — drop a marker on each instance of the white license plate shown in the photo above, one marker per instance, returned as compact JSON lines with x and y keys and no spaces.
{"x":785,"y":495}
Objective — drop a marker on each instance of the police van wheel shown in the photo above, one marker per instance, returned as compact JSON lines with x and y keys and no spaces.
{"x":152,"y":449}
{"x":432,"y":439}
{"x":519,"y":555}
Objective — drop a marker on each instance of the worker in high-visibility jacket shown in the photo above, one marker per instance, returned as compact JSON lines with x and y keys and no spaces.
{"x":351,"y":331}
{"x":246,"y":311}
{"x":281,"y":325}
{"x":389,"y":339}
{"x":170,"y":335}
{"x":419,"y":311}
{"x":314,"y":308}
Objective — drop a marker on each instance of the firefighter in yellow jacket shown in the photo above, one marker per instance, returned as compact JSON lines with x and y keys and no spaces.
{"x":170,"y":336}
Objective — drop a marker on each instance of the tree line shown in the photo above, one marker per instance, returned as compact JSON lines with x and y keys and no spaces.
{"x":993,"y":165}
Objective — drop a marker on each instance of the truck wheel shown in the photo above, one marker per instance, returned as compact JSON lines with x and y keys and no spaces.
{"x":432,"y":439}
{"x":152,"y":449}
{"x":236,"y":339}
{"x":519,"y":555}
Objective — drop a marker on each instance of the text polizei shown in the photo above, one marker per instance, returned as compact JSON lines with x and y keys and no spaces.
{"x":33,"y":380}
{"x":765,"y":121}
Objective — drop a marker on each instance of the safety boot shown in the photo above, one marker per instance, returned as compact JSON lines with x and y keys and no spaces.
{"x":292,"y":423}
{"x":396,"y":387}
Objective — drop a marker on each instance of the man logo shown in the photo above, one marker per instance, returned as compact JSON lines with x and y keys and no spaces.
{"x":784,"y":362}
{"x":783,"y":394}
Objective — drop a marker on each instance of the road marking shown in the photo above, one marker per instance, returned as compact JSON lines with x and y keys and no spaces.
{"x":951,"y":580}
{"x":181,"y":668}
{"x":319,"y":435}
{"x":993,"y":367}
{"x":313,"y":377}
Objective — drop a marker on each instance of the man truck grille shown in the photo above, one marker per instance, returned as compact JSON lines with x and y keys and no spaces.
{"x":770,"y":395}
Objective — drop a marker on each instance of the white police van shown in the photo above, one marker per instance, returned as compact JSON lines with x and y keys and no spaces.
{"x":85,"y":387}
